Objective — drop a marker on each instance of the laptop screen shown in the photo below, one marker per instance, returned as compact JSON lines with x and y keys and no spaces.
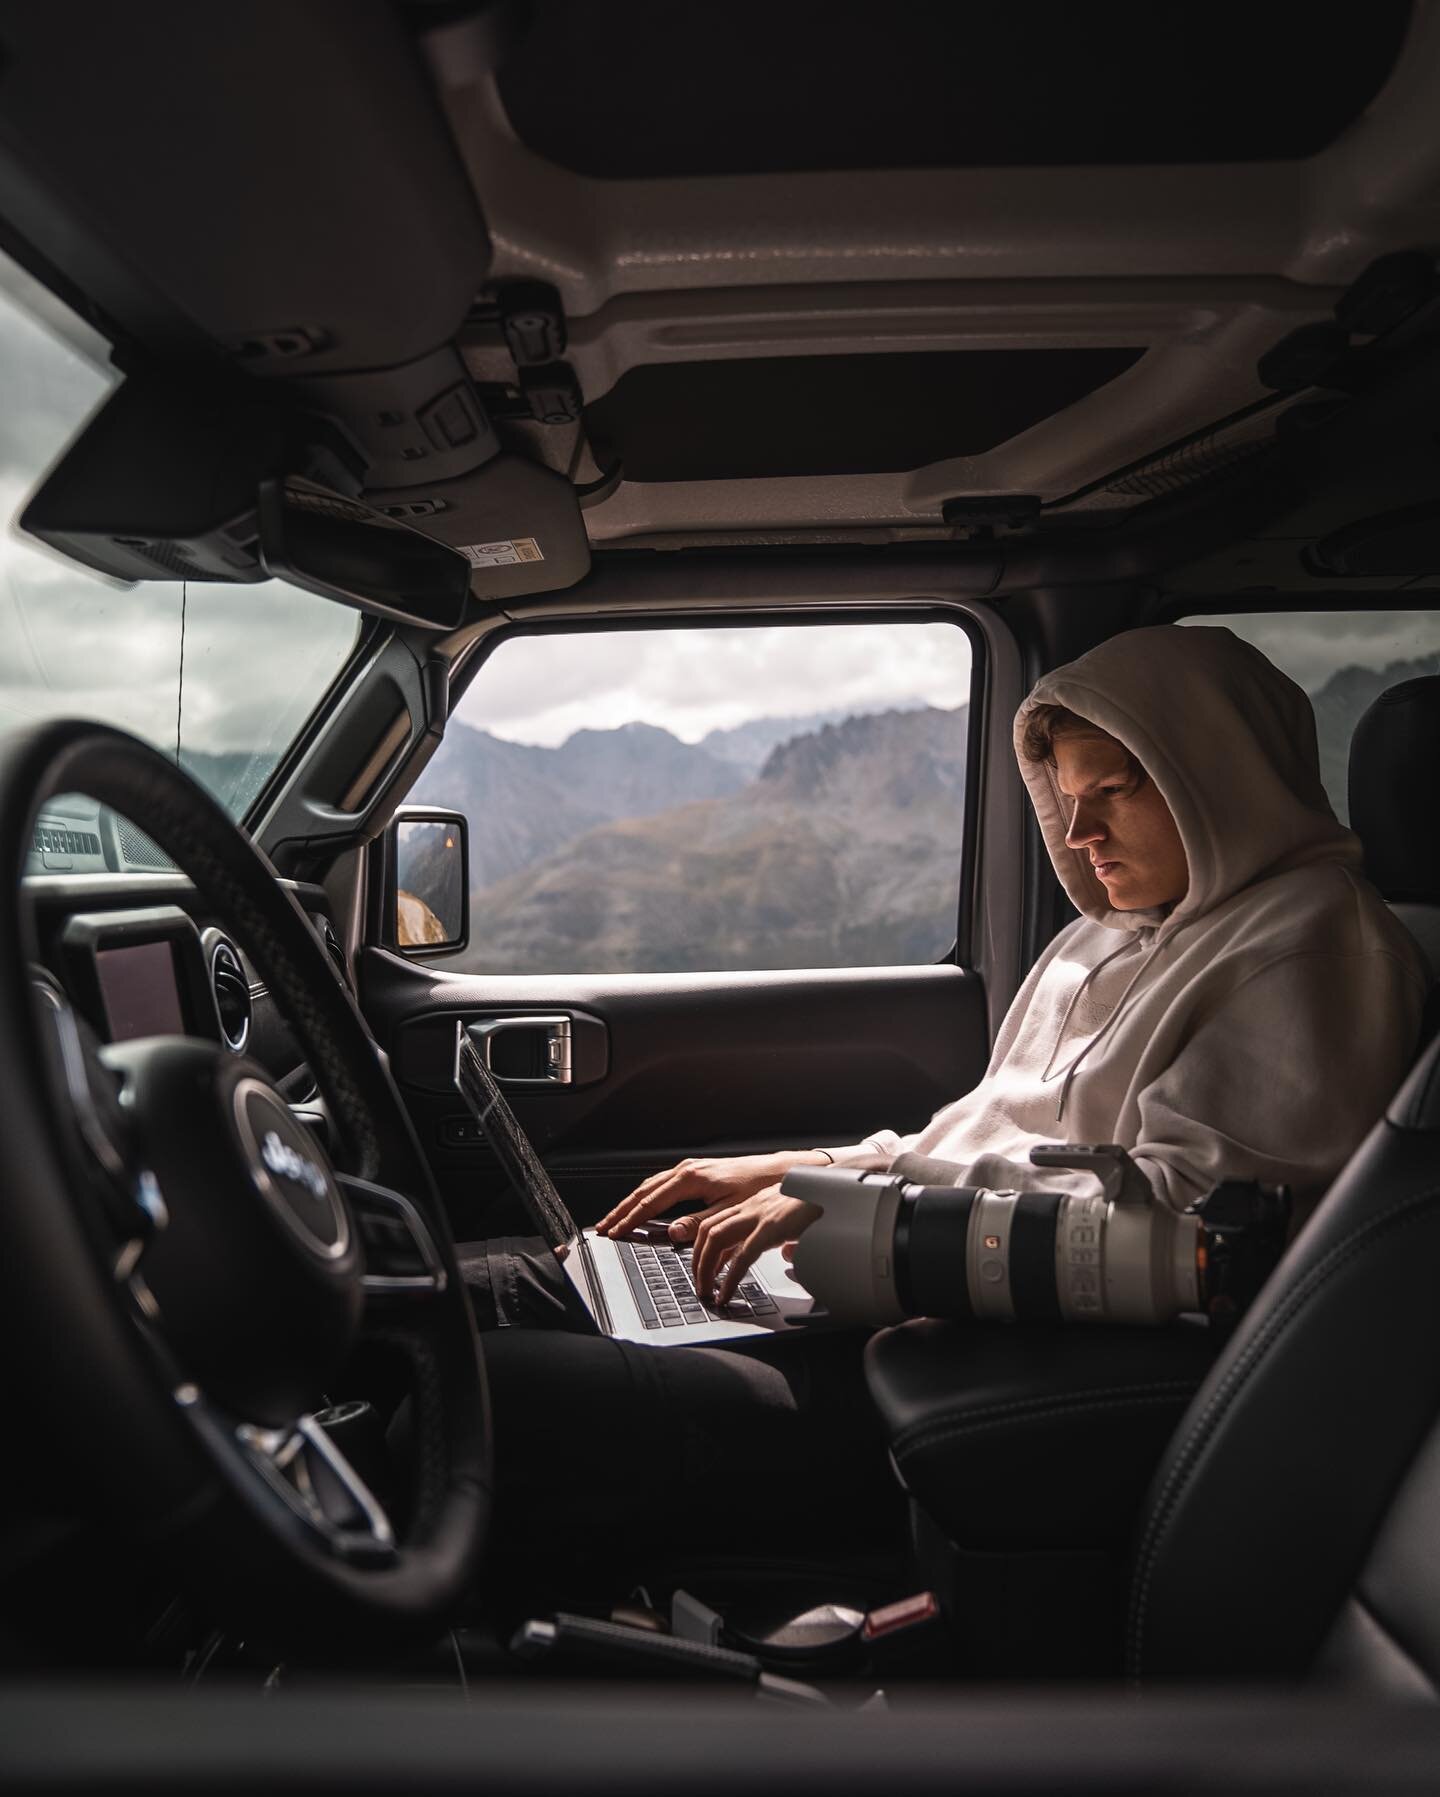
{"x":476,"y":1085}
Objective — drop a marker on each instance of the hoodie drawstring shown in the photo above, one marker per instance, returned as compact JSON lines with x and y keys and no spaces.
{"x":1067,"y":1074}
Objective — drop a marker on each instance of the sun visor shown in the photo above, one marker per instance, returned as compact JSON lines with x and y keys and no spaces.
{"x":518,"y":524}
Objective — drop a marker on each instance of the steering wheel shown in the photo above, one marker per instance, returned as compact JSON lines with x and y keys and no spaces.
{"x":187,"y":1276}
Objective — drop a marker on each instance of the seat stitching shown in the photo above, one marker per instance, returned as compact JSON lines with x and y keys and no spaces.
{"x":920,"y":1434}
{"x":1400,"y":1215}
{"x":1140,"y":1398}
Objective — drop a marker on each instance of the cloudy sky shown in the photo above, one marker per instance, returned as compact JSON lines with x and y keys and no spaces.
{"x":71,"y":643}
{"x":539,"y":689}
{"x":257,"y":658}
{"x":1310,"y":646}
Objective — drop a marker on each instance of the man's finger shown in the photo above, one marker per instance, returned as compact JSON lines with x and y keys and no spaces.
{"x":639,"y":1194}
{"x":740,"y":1263}
{"x":641,"y":1205}
{"x":639,"y":1213}
{"x":685,"y":1228}
{"x":712,"y":1241}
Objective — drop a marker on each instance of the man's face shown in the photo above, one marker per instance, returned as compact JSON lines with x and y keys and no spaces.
{"x":1122,"y":824}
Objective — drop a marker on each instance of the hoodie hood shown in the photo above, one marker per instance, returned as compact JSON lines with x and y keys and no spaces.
{"x":1229,"y":742}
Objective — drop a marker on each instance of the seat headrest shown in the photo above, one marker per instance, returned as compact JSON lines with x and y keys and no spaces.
{"x":1394,"y":759}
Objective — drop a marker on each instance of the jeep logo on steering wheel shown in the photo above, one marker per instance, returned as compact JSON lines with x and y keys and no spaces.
{"x":286,"y":1162}
{"x":291,"y":1176}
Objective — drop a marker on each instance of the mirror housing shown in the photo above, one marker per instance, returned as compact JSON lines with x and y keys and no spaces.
{"x":427,"y":892}
{"x":343,"y":550}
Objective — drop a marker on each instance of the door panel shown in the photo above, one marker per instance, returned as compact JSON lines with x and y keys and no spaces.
{"x":692,"y":1063}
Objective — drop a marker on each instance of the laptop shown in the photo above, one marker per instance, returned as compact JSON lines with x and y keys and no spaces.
{"x":634,"y":1290}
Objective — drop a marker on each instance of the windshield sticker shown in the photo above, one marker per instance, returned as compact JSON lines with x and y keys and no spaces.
{"x":502,"y":555}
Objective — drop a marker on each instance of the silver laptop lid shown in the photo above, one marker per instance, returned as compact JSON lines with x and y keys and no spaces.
{"x":522,"y":1166}
{"x":476,"y":1085}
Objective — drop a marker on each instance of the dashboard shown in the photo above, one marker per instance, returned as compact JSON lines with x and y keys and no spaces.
{"x":137,"y":955}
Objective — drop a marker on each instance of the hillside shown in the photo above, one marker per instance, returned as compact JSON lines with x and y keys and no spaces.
{"x":525,"y":802}
{"x":747,"y":745}
{"x":233,"y":776}
{"x":845,"y":850}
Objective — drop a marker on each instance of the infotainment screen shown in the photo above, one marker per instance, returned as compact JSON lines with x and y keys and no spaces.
{"x":141,"y":990}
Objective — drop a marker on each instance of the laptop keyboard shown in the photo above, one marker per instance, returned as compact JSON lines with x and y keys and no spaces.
{"x":666,"y":1297}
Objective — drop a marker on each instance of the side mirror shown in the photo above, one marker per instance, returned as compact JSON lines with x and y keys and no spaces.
{"x":428,"y":900}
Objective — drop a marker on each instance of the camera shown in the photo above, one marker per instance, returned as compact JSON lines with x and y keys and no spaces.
{"x":900,"y":1244}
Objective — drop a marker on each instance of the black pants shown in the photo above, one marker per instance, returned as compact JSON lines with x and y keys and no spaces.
{"x":618,"y":1454}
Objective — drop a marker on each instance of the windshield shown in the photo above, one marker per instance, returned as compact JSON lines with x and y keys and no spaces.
{"x":220,"y":677}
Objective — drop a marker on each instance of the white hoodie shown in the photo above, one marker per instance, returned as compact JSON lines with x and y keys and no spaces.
{"x":1257,"y":1029}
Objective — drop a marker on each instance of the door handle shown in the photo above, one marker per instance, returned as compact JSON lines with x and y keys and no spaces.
{"x":557,"y":1050}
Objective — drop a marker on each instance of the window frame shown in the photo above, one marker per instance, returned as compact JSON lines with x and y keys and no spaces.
{"x":1176,"y":607}
{"x":922,"y":610}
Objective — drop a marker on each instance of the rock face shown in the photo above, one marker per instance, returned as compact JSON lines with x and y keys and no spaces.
{"x":748,"y":745}
{"x":524,"y":803}
{"x":844,"y":851}
{"x":416,"y":925}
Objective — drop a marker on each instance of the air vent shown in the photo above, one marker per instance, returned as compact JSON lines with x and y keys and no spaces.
{"x":231,"y":986}
{"x":51,"y":839}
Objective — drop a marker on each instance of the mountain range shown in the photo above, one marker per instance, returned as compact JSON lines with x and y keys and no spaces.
{"x":844,"y":847}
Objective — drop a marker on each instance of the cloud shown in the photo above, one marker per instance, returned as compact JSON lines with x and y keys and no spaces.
{"x":541,"y":689}
{"x":256,"y":659}
{"x":1310,"y":646}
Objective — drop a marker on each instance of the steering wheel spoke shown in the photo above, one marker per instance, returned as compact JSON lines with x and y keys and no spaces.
{"x":402,"y":1261}
{"x":301,"y":1465}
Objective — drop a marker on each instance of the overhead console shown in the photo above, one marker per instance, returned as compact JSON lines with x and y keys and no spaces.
{"x":295,"y":280}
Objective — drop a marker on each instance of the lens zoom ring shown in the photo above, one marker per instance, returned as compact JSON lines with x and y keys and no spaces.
{"x":1033,"y":1285}
{"x":935,"y":1271}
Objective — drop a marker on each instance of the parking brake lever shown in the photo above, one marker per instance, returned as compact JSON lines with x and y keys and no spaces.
{"x":587,"y":1640}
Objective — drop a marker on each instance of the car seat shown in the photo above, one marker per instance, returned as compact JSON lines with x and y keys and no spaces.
{"x":1394,"y":756}
{"x":1288,"y":1525}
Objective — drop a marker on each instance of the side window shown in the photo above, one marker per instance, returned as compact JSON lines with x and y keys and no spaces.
{"x":1344,"y":660}
{"x":711,"y":799}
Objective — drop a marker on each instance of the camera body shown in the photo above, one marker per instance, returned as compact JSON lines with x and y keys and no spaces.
{"x":890,"y":1246}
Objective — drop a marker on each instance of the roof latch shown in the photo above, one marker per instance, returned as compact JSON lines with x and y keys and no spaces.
{"x":994,"y":518}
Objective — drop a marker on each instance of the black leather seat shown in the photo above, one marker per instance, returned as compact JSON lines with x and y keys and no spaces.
{"x":1290,"y":1526}
{"x":1394,"y":758}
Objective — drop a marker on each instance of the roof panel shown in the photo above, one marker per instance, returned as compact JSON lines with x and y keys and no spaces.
{"x":638,"y":88}
{"x":866,"y":414}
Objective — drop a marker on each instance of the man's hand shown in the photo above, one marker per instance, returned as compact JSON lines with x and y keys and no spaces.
{"x":729,"y":1242}
{"x":718,"y":1184}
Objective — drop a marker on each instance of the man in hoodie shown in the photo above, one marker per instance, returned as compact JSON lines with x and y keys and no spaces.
{"x":1235,"y":1001}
